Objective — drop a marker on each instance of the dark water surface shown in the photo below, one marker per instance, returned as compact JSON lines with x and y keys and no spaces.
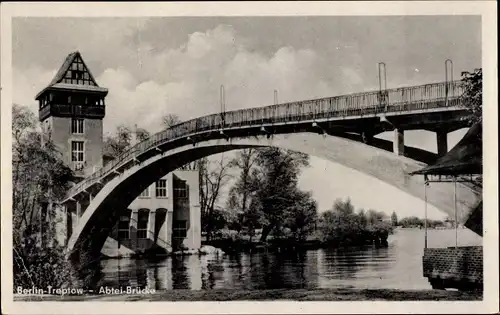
{"x":398,"y":266}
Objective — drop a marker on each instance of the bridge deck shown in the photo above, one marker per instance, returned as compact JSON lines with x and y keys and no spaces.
{"x":415,"y":99}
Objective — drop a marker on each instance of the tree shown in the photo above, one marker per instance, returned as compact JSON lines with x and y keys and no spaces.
{"x":412,"y":221}
{"x":241,"y":193}
{"x":170,"y":120}
{"x":342,"y":225}
{"x":394,"y":219}
{"x":142,"y":134}
{"x":213,"y":177}
{"x":119,"y":142}
{"x":301,"y":217}
{"x":39,"y":178}
{"x":472,"y":83}
{"x":276,"y":177}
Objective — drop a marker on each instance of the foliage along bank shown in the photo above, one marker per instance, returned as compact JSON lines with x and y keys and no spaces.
{"x":39,"y":179}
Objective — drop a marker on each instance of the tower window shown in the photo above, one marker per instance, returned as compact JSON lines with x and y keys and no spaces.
{"x":77,"y":125}
{"x":180,"y":189}
{"x":179,"y":228}
{"x":77,"y":154}
{"x":161,"y":188}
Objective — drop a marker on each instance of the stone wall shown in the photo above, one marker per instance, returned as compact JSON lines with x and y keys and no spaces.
{"x":454,"y":264}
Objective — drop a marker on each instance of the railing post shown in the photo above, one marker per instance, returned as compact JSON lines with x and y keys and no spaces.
{"x":382,"y":79}
{"x":222,"y":107}
{"x":448,"y":67}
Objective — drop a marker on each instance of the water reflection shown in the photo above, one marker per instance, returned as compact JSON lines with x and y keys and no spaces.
{"x":396,"y":266}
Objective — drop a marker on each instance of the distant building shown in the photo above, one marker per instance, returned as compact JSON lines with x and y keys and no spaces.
{"x":165,"y":216}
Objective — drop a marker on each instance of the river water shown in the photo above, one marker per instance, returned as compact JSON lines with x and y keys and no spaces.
{"x":398,"y":266}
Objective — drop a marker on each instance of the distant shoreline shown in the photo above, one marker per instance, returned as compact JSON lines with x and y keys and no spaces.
{"x":338,"y":294}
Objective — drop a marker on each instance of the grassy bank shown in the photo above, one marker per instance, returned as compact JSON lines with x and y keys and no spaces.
{"x":278,"y":294}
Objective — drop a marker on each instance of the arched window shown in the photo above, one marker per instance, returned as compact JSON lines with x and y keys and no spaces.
{"x":160,"y":217}
{"x":142,"y":223}
{"x":124,"y":225}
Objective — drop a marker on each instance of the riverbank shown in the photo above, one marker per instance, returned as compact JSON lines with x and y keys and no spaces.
{"x":272,"y":295}
{"x":232,"y":246}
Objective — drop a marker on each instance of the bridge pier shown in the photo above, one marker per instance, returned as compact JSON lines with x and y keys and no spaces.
{"x":442,"y":142}
{"x":399,"y":142}
{"x":68,"y":223}
{"x":78,"y":211}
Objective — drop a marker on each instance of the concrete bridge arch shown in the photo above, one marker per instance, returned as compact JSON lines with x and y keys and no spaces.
{"x":102,"y":211}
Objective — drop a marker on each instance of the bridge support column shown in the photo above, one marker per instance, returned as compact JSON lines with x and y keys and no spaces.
{"x":398,"y":143}
{"x":68,"y":222}
{"x":442,"y":142}
{"x":78,"y":211}
{"x":151,"y":225}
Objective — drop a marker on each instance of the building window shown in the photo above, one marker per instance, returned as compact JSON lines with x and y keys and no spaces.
{"x":161,"y":188}
{"x":179,"y":228}
{"x":181,"y":189}
{"x":77,"y":154}
{"x":142,"y":224}
{"x":145,"y":193}
{"x":77,"y":75}
{"x":77,"y":125}
{"x":124,"y":227}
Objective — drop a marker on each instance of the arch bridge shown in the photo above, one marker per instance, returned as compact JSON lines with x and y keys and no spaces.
{"x":341,"y":129}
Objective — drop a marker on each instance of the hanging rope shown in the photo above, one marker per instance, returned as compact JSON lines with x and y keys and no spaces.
{"x":455,"y":208}
{"x":425,"y":201}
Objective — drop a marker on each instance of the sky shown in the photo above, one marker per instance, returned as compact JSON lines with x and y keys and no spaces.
{"x":176,"y":65}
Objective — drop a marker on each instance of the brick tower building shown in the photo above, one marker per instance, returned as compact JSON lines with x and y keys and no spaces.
{"x":165,"y":216}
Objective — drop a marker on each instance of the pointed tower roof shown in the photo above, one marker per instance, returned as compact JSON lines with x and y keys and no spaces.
{"x":65,"y":77}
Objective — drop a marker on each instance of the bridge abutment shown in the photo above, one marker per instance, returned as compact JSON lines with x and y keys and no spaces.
{"x":398,"y":143}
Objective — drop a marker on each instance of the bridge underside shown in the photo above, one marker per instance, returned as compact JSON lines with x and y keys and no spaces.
{"x":102,"y":212}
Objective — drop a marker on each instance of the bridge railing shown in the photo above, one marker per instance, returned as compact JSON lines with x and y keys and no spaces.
{"x":393,"y":100}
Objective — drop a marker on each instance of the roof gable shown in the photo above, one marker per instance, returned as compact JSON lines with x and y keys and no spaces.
{"x":74,"y":71}
{"x":465,"y":158}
